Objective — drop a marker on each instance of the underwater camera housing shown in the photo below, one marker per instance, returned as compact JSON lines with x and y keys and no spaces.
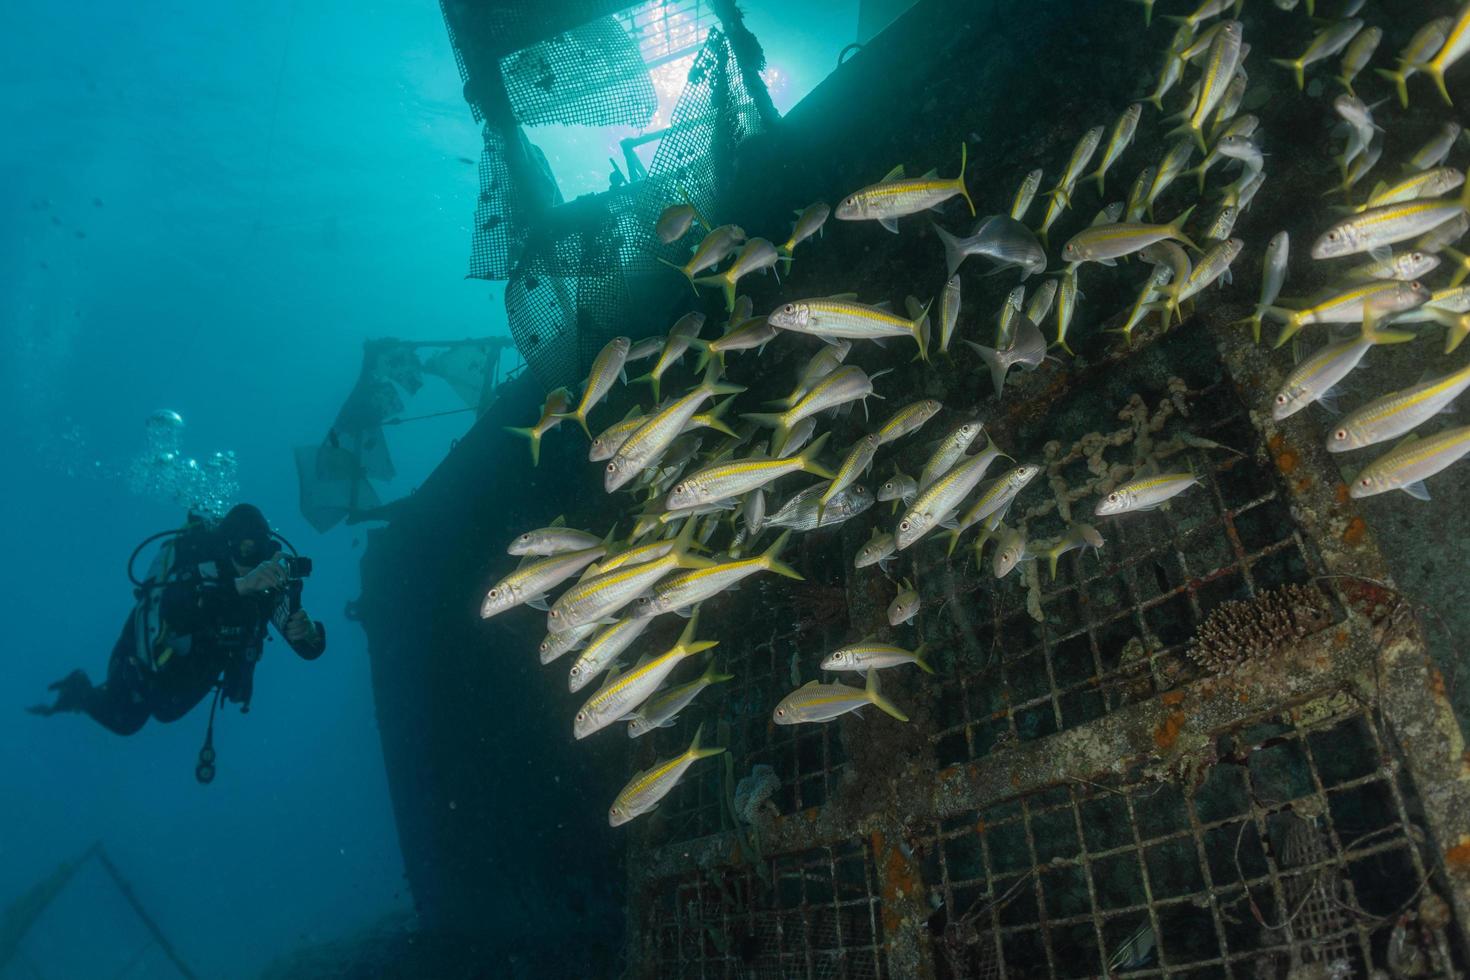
{"x":297,"y":566}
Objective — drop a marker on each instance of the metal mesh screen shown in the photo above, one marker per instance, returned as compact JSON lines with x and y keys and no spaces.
{"x":591,"y":75}
{"x":1298,"y":848}
{"x":668,"y":29}
{"x":810,"y":915}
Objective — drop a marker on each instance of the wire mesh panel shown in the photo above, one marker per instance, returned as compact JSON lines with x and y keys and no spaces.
{"x":813,"y":915}
{"x":591,"y":75}
{"x":1297,"y":852}
{"x":668,"y":29}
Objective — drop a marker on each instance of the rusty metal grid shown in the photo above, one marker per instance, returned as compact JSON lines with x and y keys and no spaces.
{"x":809,"y":760}
{"x":1300,"y":846}
{"x":1114,"y":628}
{"x":814,"y":915}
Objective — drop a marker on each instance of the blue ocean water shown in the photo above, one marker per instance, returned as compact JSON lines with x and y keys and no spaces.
{"x":208,"y":207}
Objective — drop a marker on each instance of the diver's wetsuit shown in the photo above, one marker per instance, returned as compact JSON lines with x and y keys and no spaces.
{"x":220,"y":633}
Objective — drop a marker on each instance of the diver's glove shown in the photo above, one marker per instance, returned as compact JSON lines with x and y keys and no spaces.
{"x":72,"y":693}
{"x":264,"y":577}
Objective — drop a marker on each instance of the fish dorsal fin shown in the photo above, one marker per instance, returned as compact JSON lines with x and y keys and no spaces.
{"x":561,"y":521}
{"x":1417,"y":490}
{"x":931,"y":174}
{"x":610,"y":676}
{"x":895,"y":174}
{"x":844,"y":297}
{"x":886,"y":306}
{"x":810,"y":684}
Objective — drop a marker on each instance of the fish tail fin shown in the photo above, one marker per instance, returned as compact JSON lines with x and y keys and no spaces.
{"x":1400,"y":83}
{"x":1375,"y":334}
{"x":876,"y":698}
{"x":768,"y":419}
{"x":1177,"y":228}
{"x":993,"y":361}
{"x":535,"y":437}
{"x":684,"y":555}
{"x":772,"y":563}
{"x":681,"y":269}
{"x":953,"y":253}
{"x":921,"y":335}
{"x":1298,"y":70}
{"x":1291,"y":324}
{"x":698,"y":751}
{"x":808,"y":458}
{"x":1436,"y":71}
{"x":580,"y":416}
{"x":921,"y":659}
{"x":959,"y":182}
{"x":712,"y":674}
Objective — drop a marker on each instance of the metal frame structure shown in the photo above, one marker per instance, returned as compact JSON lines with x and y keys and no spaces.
{"x":1070,"y":778}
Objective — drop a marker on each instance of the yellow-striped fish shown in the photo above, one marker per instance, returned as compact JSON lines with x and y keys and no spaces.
{"x":723,"y":481}
{"x":1425,"y":43}
{"x":816,"y":702}
{"x":1327,"y":42}
{"x":1396,"y":413}
{"x":645,"y":790}
{"x":685,"y":329}
{"x":842,"y":318}
{"x":687,"y":590}
{"x":551,"y":416}
{"x":809,"y":221}
{"x":1456,"y":44}
{"x":896,"y":196}
{"x":1123,"y":131}
{"x":1413,"y":461}
{"x":607,"y":367}
{"x":622,"y":693}
{"x":1221,"y":61}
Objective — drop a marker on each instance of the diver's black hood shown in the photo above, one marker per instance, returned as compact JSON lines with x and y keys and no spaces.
{"x":247,"y":534}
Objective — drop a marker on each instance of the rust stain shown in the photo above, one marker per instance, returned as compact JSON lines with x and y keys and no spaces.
{"x":1172,"y":698}
{"x":1276,"y":443}
{"x":1243,"y":697}
{"x":980,"y":826}
{"x":1304,"y":484}
{"x":1457,"y":858}
{"x":1340,"y":639}
{"x":1436,"y":683}
{"x":1287,"y":461}
{"x":1168,"y":731}
{"x":898,"y":880}
{"x":1341,"y":494}
{"x":1355,"y":530}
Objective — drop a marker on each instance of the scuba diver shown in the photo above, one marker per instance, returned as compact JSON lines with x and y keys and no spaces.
{"x":198,"y":626}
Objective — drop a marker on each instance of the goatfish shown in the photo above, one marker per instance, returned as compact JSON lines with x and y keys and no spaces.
{"x":846,"y":384}
{"x":1067,"y":296}
{"x":1349,"y":306}
{"x":1273,"y":277}
{"x":756,"y":255}
{"x":826,"y":360}
{"x":804,"y":512}
{"x":1010,"y":551}
{"x":597,"y":598}
{"x":723,"y":481}
{"x":675,"y":221}
{"x":684,"y":330}
{"x":1315,"y":377}
{"x":898,"y":487}
{"x":621,"y":694}
{"x":951,"y":448}
{"x":809,"y":221}
{"x":1244,"y":126}
{"x":1109,"y":242}
{"x":1433,"y":153}
{"x":1213,"y":265}
{"x":649,"y":441}
{"x":645,"y":790}
{"x":814,"y":702}
{"x":1041,"y":301}
{"x":935,"y":504}
{"x":1388,"y":225}
{"x":1221,"y":61}
{"x":1027,"y":348}
{"x":1138,"y":196}
{"x":1144,"y":493}
{"x":844,"y":318}
{"x":1327,"y":43}
{"x":662,"y":710}
{"x":552,"y":411}
{"x":949,"y":312}
{"x":554,"y":540}
{"x":854,"y":465}
{"x":1426,"y":41}
{"x":1077,"y":536}
{"x":1169,"y":170}
{"x":611,"y":439}
{"x":905,"y":605}
{"x":907,"y":420}
{"x":1357,"y":56}
{"x":530,"y":583}
{"x":555,"y":645}
{"x":1122,"y":137}
{"x":688,"y":589}
{"x":869,"y":655}
{"x":1082,"y":155}
{"x":1456,"y":45}
{"x":1427,"y":183}
{"x":994,"y":499}
{"x":1152,"y":289}
{"x":877,"y":550}
{"x":1202,"y":13}
{"x":1025,"y":194}
{"x":1006,"y":240}
{"x":749,"y":334}
{"x":1413,"y":461}
{"x":896,"y":196}
{"x":1397,"y":413}
{"x":606,"y":645}
{"x":1403,"y":267}
{"x":607,"y":367}
{"x":710,"y":252}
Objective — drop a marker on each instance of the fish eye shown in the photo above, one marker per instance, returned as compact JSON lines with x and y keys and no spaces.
{"x":903,"y":525}
{"x":612,"y":467}
{"x":581,"y":716}
{"x":780,"y":712}
{"x":789,"y":308}
{"x":1340,"y":435}
{"x":680,"y":488}
{"x":576,"y":670}
{"x":1365,"y":482}
{"x":525,"y":537}
{"x":1281,"y":399}
{"x":1113,"y":497}
{"x":494,"y":593}
{"x":1332,"y":236}
{"x":554,"y":614}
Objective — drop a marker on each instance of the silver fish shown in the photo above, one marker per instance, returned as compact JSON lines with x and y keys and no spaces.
{"x":994,"y":499}
{"x":604,"y":647}
{"x":650,"y":440}
{"x":531,"y":582}
{"x":1025,"y":194}
{"x":1397,"y":413}
{"x":867,"y":655}
{"x":877,"y":550}
{"x":662,"y":709}
{"x":1144,"y":493}
{"x":1407,"y":466}
{"x":688,"y":589}
{"x":1433,"y":153}
{"x":645,"y":790}
{"x":804,"y":512}
{"x":756,"y":255}
{"x":935,"y":504}
{"x":620,"y":695}
{"x":999,"y":237}
{"x":816,"y":702}
{"x":1315,"y":377}
{"x":809,"y":221}
{"x":949,"y":311}
{"x":674,"y":222}
{"x":556,"y":645}
{"x":898,"y":487}
{"x":1026,"y":349}
{"x":554,"y":540}
{"x":600,"y":597}
{"x":1273,"y":277}
{"x":1010,"y":551}
{"x":905,"y":605}
{"x":951,"y":448}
